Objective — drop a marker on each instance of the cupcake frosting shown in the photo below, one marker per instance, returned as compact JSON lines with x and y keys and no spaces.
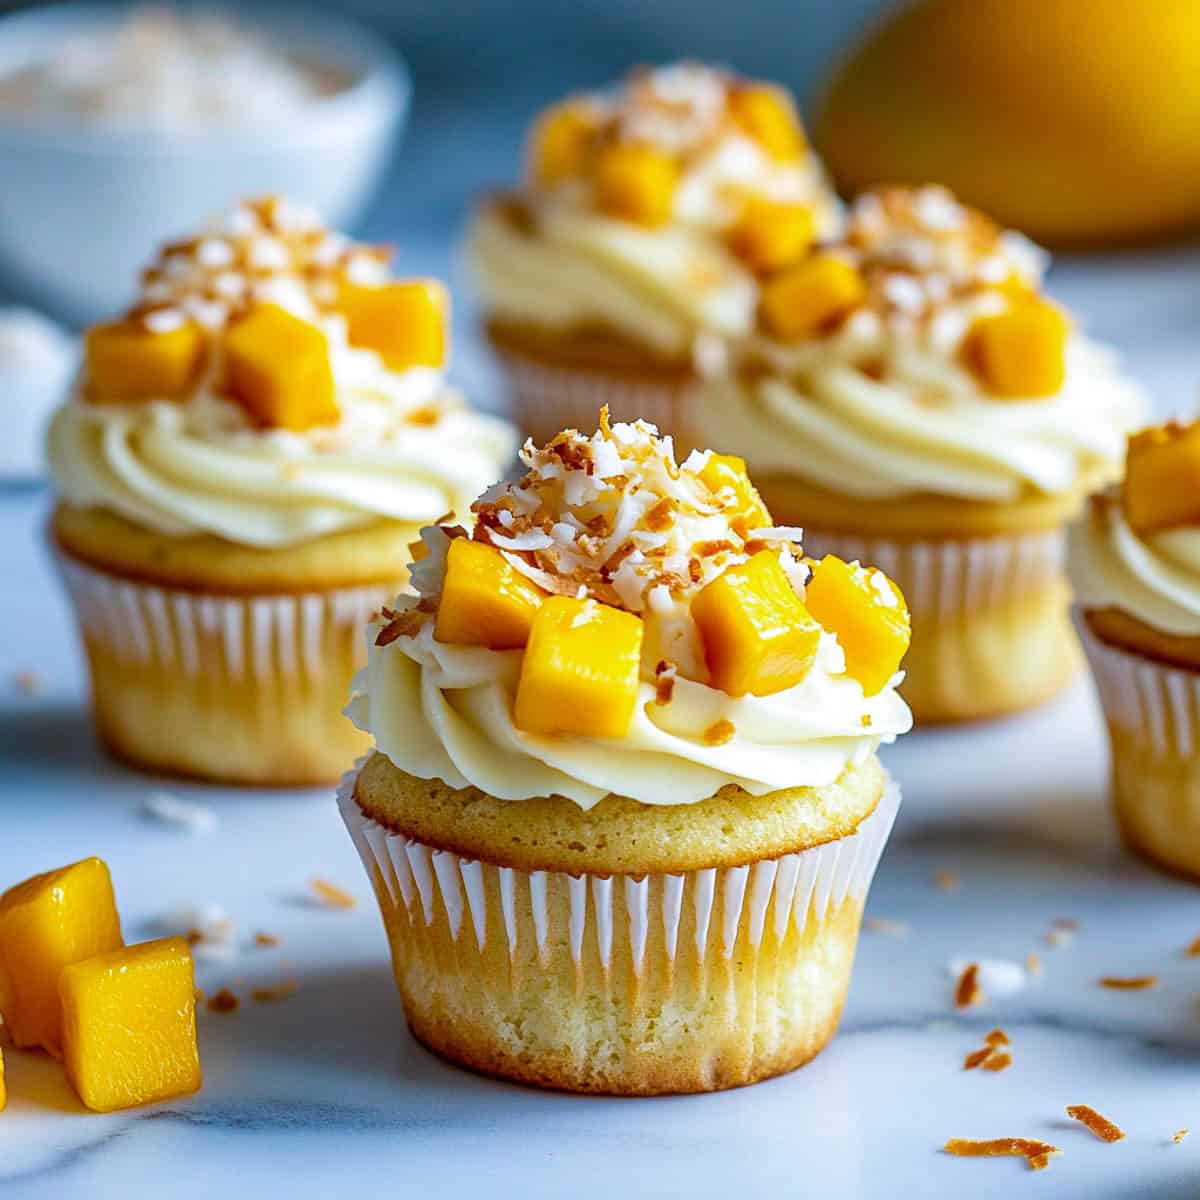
{"x":397,"y":442}
{"x":889,"y":393}
{"x":612,"y":520}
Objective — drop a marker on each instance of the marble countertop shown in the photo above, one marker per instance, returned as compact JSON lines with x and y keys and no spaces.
{"x":326,"y":1090}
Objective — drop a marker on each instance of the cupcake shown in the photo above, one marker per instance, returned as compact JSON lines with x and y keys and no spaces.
{"x":914,"y":399}
{"x":625,"y":805}
{"x":245,"y":458}
{"x":1134,"y":561}
{"x":632,"y":252}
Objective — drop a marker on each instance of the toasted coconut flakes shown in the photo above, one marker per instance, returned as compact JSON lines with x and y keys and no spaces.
{"x":947,"y":881}
{"x":976,"y":1058}
{"x":719,"y":732}
{"x":1033,"y":963}
{"x":997,"y":1060}
{"x":885,"y":925}
{"x":281,"y":991}
{"x":1129,"y":983}
{"x":1193,"y":951}
{"x":184,"y":814}
{"x":1026,"y":1148}
{"x":968,"y":992}
{"x":1102,"y":1127}
{"x":664,"y":681}
{"x":28,"y":682}
{"x":1058,"y":937}
{"x":997,"y":976}
{"x":1179,"y":1135}
{"x":223,"y":1001}
{"x":1039,"y":1162}
{"x":332,"y":895}
{"x":404,"y":624}
{"x":265,"y":939}
{"x":997,"y":1038}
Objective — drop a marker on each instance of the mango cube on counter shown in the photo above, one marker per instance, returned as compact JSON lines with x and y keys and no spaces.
{"x":485,"y":600}
{"x":867,"y":612}
{"x":758,"y":636}
{"x":127,"y":362}
{"x":770,"y":235}
{"x":559,"y":143}
{"x":47,"y":923}
{"x":805,"y":299}
{"x":1162,"y":478}
{"x":1021,"y":352}
{"x":580,"y":670}
{"x":405,"y":323}
{"x":729,"y":471}
{"x":768,"y":115}
{"x":129,"y":1025}
{"x":636,"y":183}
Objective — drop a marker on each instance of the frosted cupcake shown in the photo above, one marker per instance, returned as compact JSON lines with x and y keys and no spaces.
{"x":634,"y":248}
{"x":240,"y":470}
{"x":912,"y":397}
{"x":1135,"y":565}
{"x":625,"y":804}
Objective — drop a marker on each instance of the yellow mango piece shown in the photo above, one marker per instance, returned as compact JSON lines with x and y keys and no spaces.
{"x":129,"y":1025}
{"x":1020,"y":352}
{"x":485,"y":601}
{"x":636,"y":183}
{"x":46,"y":923}
{"x":769,"y":236}
{"x":277,"y":366}
{"x":758,"y":636}
{"x":580,"y":670}
{"x":867,"y":613}
{"x":405,"y":323}
{"x":1162,"y":479}
{"x":559,"y":142}
{"x":768,"y":115}
{"x":804,"y":300}
{"x":127,"y":362}
{"x":727,"y":471}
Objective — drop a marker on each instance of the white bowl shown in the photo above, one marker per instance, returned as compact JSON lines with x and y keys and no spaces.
{"x":82,"y":208}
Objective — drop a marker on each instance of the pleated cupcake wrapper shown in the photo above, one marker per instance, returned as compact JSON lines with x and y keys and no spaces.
{"x":805,"y":887}
{"x":259,"y":636}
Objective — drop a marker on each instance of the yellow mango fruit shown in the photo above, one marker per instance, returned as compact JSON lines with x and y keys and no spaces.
{"x":758,"y":635}
{"x":1162,"y":479}
{"x":580,"y":670}
{"x":124,"y":362}
{"x":46,"y":923}
{"x":277,"y":366}
{"x":1071,"y":120}
{"x":769,"y":116}
{"x":728,"y":471}
{"x":485,"y":601}
{"x":636,"y":183}
{"x":405,"y":323}
{"x":769,"y":235}
{"x":804,"y":300}
{"x":1020,"y":353}
{"x":558,"y":145}
{"x":868,"y":614}
{"x":129,"y":1025}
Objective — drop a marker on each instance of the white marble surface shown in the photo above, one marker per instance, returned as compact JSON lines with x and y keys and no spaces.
{"x":326,"y":1090}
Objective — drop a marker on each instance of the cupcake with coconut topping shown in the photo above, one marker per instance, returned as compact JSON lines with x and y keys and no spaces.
{"x":625,"y":765}
{"x":247,"y":455}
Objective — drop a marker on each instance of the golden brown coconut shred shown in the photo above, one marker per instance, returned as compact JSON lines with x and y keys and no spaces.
{"x":1102,"y":1127}
{"x":1036,"y":1154}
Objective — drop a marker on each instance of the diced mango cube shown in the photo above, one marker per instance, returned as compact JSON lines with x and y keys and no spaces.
{"x":485,"y":601}
{"x":1162,"y":478}
{"x":129,"y":1025}
{"x":758,"y":636}
{"x":769,"y":236}
{"x":127,"y":362}
{"x":867,"y":613}
{"x":580,"y":671}
{"x":46,"y":923}
{"x":277,"y":365}
{"x":807,"y":298}
{"x":405,"y":323}
{"x":768,"y":115}
{"x":636,"y":183}
{"x":1020,"y":352}
{"x":727,"y":471}
{"x":559,"y":143}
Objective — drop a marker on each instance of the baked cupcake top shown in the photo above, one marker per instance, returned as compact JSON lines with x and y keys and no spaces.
{"x":622,"y":624}
{"x":649,"y":211}
{"x":273,"y":383}
{"x":917,"y":353}
{"x":1137,"y":549}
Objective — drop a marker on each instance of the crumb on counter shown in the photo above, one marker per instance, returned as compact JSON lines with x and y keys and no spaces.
{"x":332,"y":895}
{"x":1102,"y":1127}
{"x":1036,"y":1154}
{"x":1129,"y":983}
{"x":223,"y":1001}
{"x":968,"y":993}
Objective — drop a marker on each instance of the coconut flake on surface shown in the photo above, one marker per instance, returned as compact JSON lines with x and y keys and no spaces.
{"x":997,"y":976}
{"x":170,"y":809}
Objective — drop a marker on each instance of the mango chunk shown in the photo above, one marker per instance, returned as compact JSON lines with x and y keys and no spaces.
{"x":636,"y":183}
{"x":127,"y":362}
{"x":1162,"y":479}
{"x":559,"y":143}
{"x":405,"y":323}
{"x":727,"y":471}
{"x":129,"y":1025}
{"x":867,"y":613}
{"x":769,"y":236}
{"x":485,"y":601}
{"x":758,"y":636}
{"x":807,"y":298}
{"x":768,"y":115}
{"x":277,"y":366}
{"x":580,"y":671}
{"x":46,"y":923}
{"x":1021,"y":352}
